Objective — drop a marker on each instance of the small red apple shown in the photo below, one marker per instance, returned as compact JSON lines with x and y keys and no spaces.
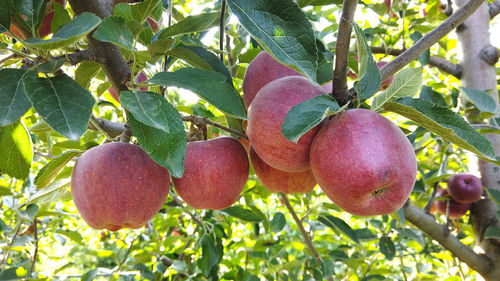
{"x":215,"y":173}
{"x":141,"y":77}
{"x":364,"y":163}
{"x":262,"y":70}
{"x":456,"y":209}
{"x":266,"y":115}
{"x":465,"y":188}
{"x":278,"y":181}
{"x":117,"y":185}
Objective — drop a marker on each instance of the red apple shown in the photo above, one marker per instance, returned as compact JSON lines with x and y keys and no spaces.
{"x":117,"y":185}
{"x":465,"y":188}
{"x":456,"y":209}
{"x":215,"y":173}
{"x":278,"y":181}
{"x":364,"y":163}
{"x":262,"y":70}
{"x":266,"y":115}
{"x":141,"y":77}
{"x":328,"y":87}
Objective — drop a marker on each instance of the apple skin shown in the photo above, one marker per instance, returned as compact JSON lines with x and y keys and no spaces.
{"x":141,"y":77}
{"x":328,"y":87}
{"x":456,"y":209}
{"x":465,"y":188}
{"x":215,"y":173}
{"x":117,"y":185}
{"x":278,"y":181}
{"x":266,"y":115}
{"x":364,"y":163}
{"x":262,"y":70}
{"x":387,"y":82}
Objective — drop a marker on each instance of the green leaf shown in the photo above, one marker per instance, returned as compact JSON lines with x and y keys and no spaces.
{"x":445,"y":123}
{"x":327,"y":268}
{"x":405,"y":84}
{"x":482,"y":100}
{"x":114,"y":30}
{"x":16,"y":152}
{"x":30,"y":212}
{"x":51,"y":66}
{"x":336,"y":223}
{"x":210,"y":86}
{"x":303,"y":3}
{"x":67,"y":34}
{"x":51,"y":193}
{"x":166,"y":149}
{"x":13,"y":100}
{"x":427,"y":93}
{"x":494,"y":194}
{"x":370,"y":79}
{"x":28,"y":13}
{"x":142,"y":10}
{"x":306,"y":115}
{"x":387,"y":247}
{"x":61,"y":102}
{"x":278,"y":222}
{"x":492,"y":232}
{"x":85,"y":72}
{"x":242,"y":213}
{"x":90,"y":275}
{"x":9,"y":274}
{"x":425,"y":56}
{"x":61,"y":16}
{"x":283,"y":29}
{"x":4,"y":16}
{"x":190,"y":24}
{"x":52,"y":169}
{"x":209,"y":256}
{"x":71,"y":234}
{"x":401,"y":216}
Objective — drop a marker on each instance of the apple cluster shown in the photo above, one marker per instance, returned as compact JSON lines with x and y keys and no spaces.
{"x":361,"y":160}
{"x":462,"y":190}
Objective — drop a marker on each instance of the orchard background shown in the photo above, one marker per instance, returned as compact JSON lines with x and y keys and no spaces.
{"x":447,"y":72}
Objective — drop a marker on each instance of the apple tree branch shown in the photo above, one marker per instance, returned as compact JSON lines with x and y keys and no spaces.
{"x":494,"y":8}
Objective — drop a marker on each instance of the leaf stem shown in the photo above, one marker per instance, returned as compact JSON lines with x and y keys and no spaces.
{"x":207,"y":121}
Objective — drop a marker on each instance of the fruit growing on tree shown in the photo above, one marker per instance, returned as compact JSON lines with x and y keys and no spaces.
{"x":262,"y":70}
{"x":266,"y":115}
{"x":117,"y":185}
{"x":364,"y":163}
{"x":141,"y":77}
{"x":465,"y":188}
{"x":215,"y":173}
{"x":278,"y":181}
{"x":46,"y":25}
{"x":456,"y":209}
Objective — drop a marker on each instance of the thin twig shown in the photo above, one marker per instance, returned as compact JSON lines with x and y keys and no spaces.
{"x":402,"y":268}
{"x":442,"y":167}
{"x":35,"y":255}
{"x":179,"y":202}
{"x":80,"y":56}
{"x":430,"y":39}
{"x":125,"y":256}
{"x":221,"y":29}
{"x":11,"y":242}
{"x":438,"y":62}
{"x":230,"y":59}
{"x":205,"y":120}
{"x":340,"y":90}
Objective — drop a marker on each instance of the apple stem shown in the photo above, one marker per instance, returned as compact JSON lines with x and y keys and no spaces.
{"x":305,"y":235}
{"x":198,"y":120}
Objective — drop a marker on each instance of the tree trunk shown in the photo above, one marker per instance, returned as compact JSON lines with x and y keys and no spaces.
{"x":479,"y":73}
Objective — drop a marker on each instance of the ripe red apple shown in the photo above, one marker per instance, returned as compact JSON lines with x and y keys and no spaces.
{"x":266,"y":115}
{"x":456,"y":209}
{"x":364,"y":163}
{"x":215,"y":173}
{"x":46,"y":25}
{"x":117,"y":185}
{"x":278,"y":181}
{"x":465,"y":188}
{"x":262,"y":70}
{"x":141,"y":77}
{"x":328,"y":87}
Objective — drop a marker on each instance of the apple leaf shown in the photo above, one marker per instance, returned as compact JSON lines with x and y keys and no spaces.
{"x":52,"y":169}
{"x":61,"y":16}
{"x":387,"y":247}
{"x":114,"y":30}
{"x":210,"y":86}
{"x":283,"y":29}
{"x":482,"y":100}
{"x":370,"y":79}
{"x":51,"y":193}
{"x":142,"y":10}
{"x":13,"y":100}
{"x":168,"y":149}
{"x":494,"y":194}
{"x":67,"y":34}
{"x":85,"y":72}
{"x":190,"y":24}
{"x":427,"y":93}
{"x":51,"y":66}
{"x":61,"y":102}
{"x":28,"y":13}
{"x":338,"y":224}
{"x":4,"y":16}
{"x":16,"y":152}
{"x":304,"y":3}
{"x":210,"y":257}
{"x":306,"y":115}
{"x":445,"y":123}
{"x":278,"y":222}
{"x":492,"y":232}
{"x":242,"y":213}
{"x":405,"y":84}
